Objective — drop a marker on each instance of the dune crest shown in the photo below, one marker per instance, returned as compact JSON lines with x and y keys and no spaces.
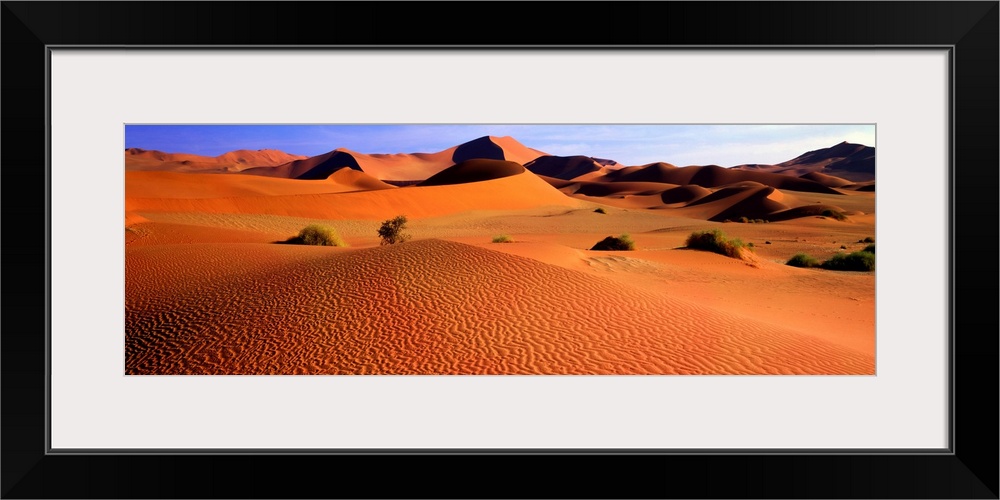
{"x":137,"y":159}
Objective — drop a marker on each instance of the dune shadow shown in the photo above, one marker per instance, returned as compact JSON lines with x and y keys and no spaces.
{"x":478,"y":149}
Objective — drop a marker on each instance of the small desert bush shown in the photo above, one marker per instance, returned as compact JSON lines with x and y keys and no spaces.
{"x":802,"y":260}
{"x":833,"y":214}
{"x":503,"y":238}
{"x":869,"y":248}
{"x":868,"y":239}
{"x":315,"y":234}
{"x":716,"y":241}
{"x":599,"y":210}
{"x":391,"y":230}
{"x":623,"y":242}
{"x":855,"y":261}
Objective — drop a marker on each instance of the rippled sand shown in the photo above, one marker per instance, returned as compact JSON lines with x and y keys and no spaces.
{"x":432,"y":307}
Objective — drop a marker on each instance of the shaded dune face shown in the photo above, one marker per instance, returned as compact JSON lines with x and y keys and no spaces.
{"x":843,"y":156}
{"x":564,"y":167}
{"x":621,"y":188}
{"x":715,"y":176}
{"x":474,"y":171}
{"x":481,"y":148}
{"x":743,"y":201}
{"x":431,"y":307}
{"x":321,"y":170}
{"x":684,"y":194}
{"x":314,"y":168}
{"x":853,"y":162}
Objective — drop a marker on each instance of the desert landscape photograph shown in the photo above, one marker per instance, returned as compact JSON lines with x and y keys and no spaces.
{"x":500,"y":249}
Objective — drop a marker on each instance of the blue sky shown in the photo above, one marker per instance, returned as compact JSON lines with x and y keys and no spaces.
{"x":725,"y":145}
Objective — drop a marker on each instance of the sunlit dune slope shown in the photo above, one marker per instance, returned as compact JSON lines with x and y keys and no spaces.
{"x":187,"y":186}
{"x":523,"y":190}
{"x":431,"y":307}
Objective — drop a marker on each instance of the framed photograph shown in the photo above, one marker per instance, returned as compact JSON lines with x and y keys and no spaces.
{"x":361,"y":248}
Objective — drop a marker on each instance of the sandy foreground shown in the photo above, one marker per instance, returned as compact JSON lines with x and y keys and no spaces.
{"x":209,"y":291}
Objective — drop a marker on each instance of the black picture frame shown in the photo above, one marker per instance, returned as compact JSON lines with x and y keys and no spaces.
{"x":968,"y":470}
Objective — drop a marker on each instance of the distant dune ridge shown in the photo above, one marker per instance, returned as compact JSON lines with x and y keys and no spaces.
{"x":233,"y":161}
{"x":710,"y":192}
{"x":851,"y":162}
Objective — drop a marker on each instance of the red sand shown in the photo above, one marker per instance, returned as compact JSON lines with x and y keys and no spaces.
{"x":209,"y":292}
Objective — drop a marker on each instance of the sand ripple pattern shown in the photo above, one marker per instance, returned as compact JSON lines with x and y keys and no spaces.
{"x":430,"y":307}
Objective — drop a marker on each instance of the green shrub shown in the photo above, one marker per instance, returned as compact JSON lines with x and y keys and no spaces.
{"x":715,"y":241}
{"x":503,"y":238}
{"x":315,"y":234}
{"x":868,"y":239}
{"x":869,"y":248}
{"x":802,"y":260}
{"x":391,"y":230}
{"x":623,"y":242}
{"x":833,"y":214}
{"x":855,"y":261}
{"x":599,"y":211}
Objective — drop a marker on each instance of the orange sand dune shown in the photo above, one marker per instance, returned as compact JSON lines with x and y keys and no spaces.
{"x":380,"y":166}
{"x":826,"y":180}
{"x":187,"y":185}
{"x":474,"y":171}
{"x":431,"y":307}
{"x":146,"y":160}
{"x":567,"y":167}
{"x":360,"y":181}
{"x":853,"y":162}
{"x":767,"y":291}
{"x":715,"y":176}
{"x":684,"y":194}
{"x":402,"y":166}
{"x":861,"y":186}
{"x":610,"y":189}
{"x":750,"y":200}
{"x":521,"y":191}
{"x":803,"y":211}
{"x":312,"y":168}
